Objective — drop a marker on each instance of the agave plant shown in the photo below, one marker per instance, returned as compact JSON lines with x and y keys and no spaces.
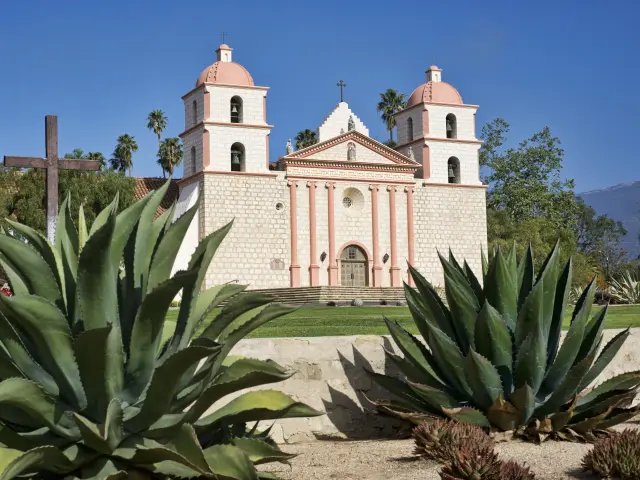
{"x":625,"y":289}
{"x":493,"y":356}
{"x":89,"y":389}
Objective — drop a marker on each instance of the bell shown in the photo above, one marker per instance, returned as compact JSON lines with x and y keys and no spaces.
{"x":449,"y":128}
{"x":234,"y":108}
{"x":235,"y":158}
{"x":451,"y":174}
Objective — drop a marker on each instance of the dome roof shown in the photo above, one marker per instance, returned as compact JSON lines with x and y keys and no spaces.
{"x":434,"y":92}
{"x":228,"y":73}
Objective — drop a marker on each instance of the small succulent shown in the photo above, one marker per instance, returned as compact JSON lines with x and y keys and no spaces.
{"x":6,"y":291}
{"x":514,"y":471}
{"x":438,"y":439}
{"x":356,"y":302}
{"x":476,"y":464}
{"x":617,"y":456}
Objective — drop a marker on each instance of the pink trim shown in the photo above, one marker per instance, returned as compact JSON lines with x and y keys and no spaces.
{"x":333,"y":265}
{"x":294,"y":268}
{"x":426,"y":162}
{"x":223,"y":124}
{"x":395,"y":270}
{"x":423,"y":105}
{"x":425,"y":123}
{"x":377,"y":268}
{"x":217,"y":172}
{"x":264,"y":108}
{"x":190,"y":92}
{"x":347,"y":179}
{"x":357,"y":244}
{"x":410,"y":232}
{"x":266,"y":139}
{"x":451,"y":185}
{"x":432,"y":139}
{"x":206,"y":149}
{"x":340,"y":165}
{"x":207,"y":106}
{"x":314,"y":269}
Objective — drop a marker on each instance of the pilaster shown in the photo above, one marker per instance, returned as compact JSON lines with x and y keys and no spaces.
{"x":294,"y":268}
{"x":314,"y":268}
{"x":395,"y":270}
{"x":377,"y":268}
{"x":333,"y":265}
{"x":410,"y":232}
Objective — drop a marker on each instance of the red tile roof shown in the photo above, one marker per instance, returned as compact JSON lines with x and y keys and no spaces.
{"x":145,"y":185}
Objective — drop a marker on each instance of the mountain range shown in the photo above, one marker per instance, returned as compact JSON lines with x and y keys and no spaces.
{"x":622,"y":203}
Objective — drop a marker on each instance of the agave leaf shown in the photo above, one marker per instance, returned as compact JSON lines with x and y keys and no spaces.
{"x":101,"y":360}
{"x":549,"y":279}
{"x":212,"y":297}
{"x":476,"y":286}
{"x":589,"y":424}
{"x":501,"y":289}
{"x":91,"y":435}
{"x":402,"y":390}
{"x":186,"y":442}
{"x":229,"y":462}
{"x":163,"y":385}
{"x":83,"y":232}
{"x":165,"y":255}
{"x":530,"y":316}
{"x":494,"y":342}
{"x":437,"y":399}
{"x":624,"y":381}
{"x":608,"y":353}
{"x":560,"y":420}
{"x":8,"y":368}
{"x":23,"y":360}
{"x":113,"y":426}
{"x":126,"y":222}
{"x":146,"y":333}
{"x":164,"y":461}
{"x":562,"y":298}
{"x":14,"y":277}
{"x":413,"y":350}
{"x":414,"y":373}
{"x":96,"y":278}
{"x":523,"y":399}
{"x":256,"y":406}
{"x":260,"y":452}
{"x":485,"y":264}
{"x":242,"y":373}
{"x":33,"y":270}
{"x":618,"y":416}
{"x":593,"y":334}
{"x":235,"y":308}
{"x":525,"y":277}
{"x":467,"y":415}
{"x":32,"y":399}
{"x":47,"y":329}
{"x":531,"y":360}
{"x":42,"y":458}
{"x":68,"y":249}
{"x":12,"y":440}
{"x":503,"y":415}
{"x":483,"y":378}
{"x":603,"y":402}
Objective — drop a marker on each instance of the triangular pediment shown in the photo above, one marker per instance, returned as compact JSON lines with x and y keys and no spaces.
{"x":364,"y":151}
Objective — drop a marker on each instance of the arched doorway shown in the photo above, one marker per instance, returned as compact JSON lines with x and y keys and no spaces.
{"x":353,"y":267}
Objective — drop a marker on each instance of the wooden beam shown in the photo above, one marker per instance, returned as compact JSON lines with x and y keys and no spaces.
{"x":71,"y":164}
{"x":25,"y":162}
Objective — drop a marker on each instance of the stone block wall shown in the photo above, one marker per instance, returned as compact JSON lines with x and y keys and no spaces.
{"x":402,"y":131}
{"x":190,"y":119}
{"x":338,"y":121}
{"x":465,"y":120}
{"x":193,"y":139}
{"x":467,"y":155}
{"x":254,"y":140}
{"x":253,"y":104}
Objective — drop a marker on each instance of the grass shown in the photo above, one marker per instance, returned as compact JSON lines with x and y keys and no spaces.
{"x":336,"y":321}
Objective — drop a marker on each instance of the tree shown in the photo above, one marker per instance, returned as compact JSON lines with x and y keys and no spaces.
{"x":122,"y":157}
{"x":98,"y":156}
{"x":525,"y":181}
{"x":76,"y":153}
{"x":391,"y":102}
{"x":157,"y":122}
{"x":306,"y":138}
{"x":169,"y":154}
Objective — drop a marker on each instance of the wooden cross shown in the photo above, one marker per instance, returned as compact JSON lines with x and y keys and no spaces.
{"x":341,"y":84}
{"x":51,"y":164}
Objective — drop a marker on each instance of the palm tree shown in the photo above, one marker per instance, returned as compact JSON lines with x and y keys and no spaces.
{"x":77,"y":153}
{"x":391,"y":102}
{"x":122,"y":155}
{"x":306,"y":138}
{"x":98,"y":156}
{"x":169,"y":154}
{"x":157,"y":122}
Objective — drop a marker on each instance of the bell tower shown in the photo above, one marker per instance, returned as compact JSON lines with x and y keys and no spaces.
{"x":226,"y":126}
{"x":438,"y":129}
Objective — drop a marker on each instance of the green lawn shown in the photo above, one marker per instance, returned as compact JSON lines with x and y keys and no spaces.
{"x":321,"y":321}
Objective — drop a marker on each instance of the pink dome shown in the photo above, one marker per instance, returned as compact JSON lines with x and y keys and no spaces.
{"x":434,"y":92}
{"x":228,"y":73}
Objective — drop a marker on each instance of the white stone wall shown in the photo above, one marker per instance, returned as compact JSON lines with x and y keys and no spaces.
{"x":252,"y":104}
{"x":448,"y":217}
{"x":259,"y":235}
{"x":189,"y":195}
{"x":192,"y":139}
{"x":338,"y":121}
{"x":466,"y":153}
{"x":198,"y":97}
{"x":365,"y":175}
{"x":340,"y":151}
{"x":401,"y":125}
{"x":255,"y":146}
{"x":465,"y":120}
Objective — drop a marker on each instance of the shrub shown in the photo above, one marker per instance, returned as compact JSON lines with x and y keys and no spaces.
{"x":88,"y":387}
{"x":514,"y":471}
{"x":437,"y":439}
{"x":401,"y":303}
{"x":617,"y":456}
{"x":175,"y":303}
{"x":625,"y":289}
{"x":383,"y":302}
{"x":493,"y":356}
{"x":356,"y":302}
{"x":474,"y":464}
{"x":332,"y":304}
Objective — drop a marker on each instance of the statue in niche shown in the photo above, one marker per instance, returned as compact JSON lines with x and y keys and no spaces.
{"x":410,"y":154}
{"x":351,"y":152}
{"x":289,"y":147}
{"x":351,"y":125}
{"x":341,"y":131}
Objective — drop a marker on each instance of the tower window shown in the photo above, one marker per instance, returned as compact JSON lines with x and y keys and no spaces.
{"x":194,"y":112}
{"x":192,"y":161}
{"x":452,"y":127}
{"x":236,"y":110}
{"x":453,"y":169}
{"x":237,"y":158}
{"x":409,"y":129}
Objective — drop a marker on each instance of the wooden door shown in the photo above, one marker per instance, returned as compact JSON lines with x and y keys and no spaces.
{"x":353,"y":268}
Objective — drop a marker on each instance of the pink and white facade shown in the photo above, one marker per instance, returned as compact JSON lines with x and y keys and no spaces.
{"x":345,"y":211}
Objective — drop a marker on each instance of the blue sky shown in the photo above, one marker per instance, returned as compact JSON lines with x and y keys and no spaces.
{"x":102,"y":66}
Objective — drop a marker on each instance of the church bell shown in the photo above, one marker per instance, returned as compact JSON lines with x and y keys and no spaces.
{"x":234,"y":108}
{"x":235,"y":157}
{"x":451,"y":174}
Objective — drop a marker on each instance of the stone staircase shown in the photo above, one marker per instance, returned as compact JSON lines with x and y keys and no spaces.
{"x":338,"y":294}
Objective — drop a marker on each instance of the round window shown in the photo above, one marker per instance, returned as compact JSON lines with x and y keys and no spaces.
{"x":352,"y":201}
{"x":347,"y":202}
{"x":279,"y":206}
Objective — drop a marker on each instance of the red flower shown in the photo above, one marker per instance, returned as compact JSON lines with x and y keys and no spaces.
{"x":6,"y":291}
